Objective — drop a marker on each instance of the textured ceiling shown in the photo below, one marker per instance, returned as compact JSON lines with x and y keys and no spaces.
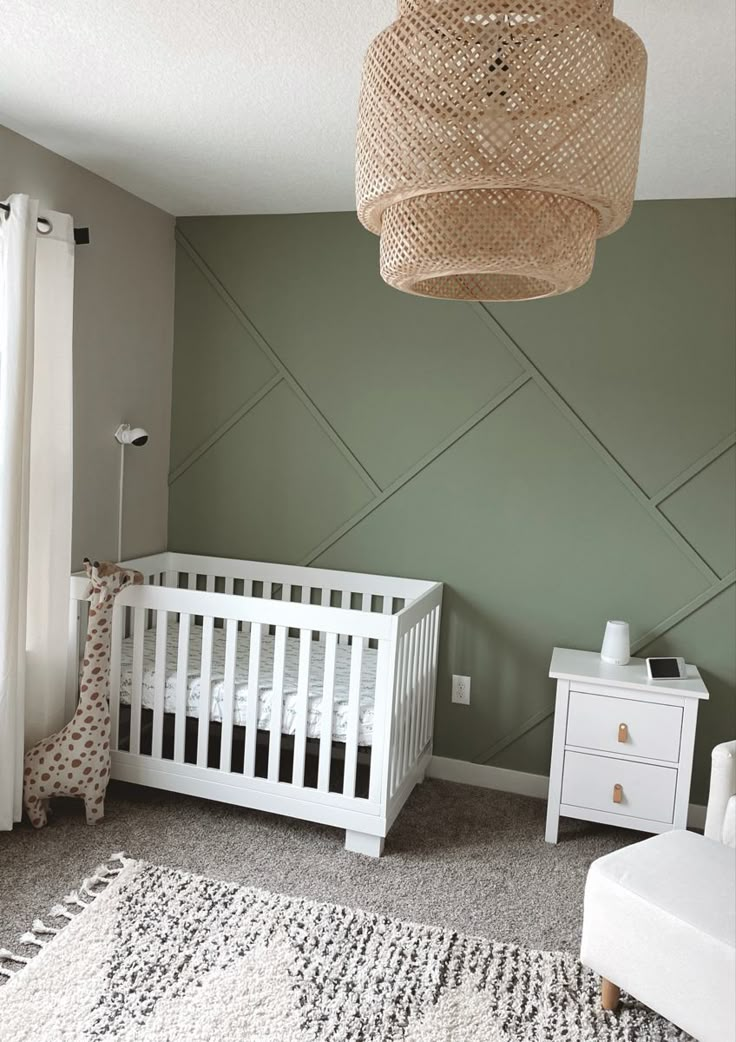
{"x":248,"y":106}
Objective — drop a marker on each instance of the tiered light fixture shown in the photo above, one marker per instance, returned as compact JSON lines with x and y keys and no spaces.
{"x":497,"y":140}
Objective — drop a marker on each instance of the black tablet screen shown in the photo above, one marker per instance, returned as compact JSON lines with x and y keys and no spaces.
{"x":664,"y":667}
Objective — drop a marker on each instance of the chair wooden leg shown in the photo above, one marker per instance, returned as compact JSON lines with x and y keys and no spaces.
{"x":610,"y":994}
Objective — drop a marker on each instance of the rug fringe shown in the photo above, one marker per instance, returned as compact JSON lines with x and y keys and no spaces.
{"x":40,"y":934}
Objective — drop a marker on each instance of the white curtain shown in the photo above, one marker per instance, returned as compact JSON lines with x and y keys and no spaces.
{"x":36,"y":306}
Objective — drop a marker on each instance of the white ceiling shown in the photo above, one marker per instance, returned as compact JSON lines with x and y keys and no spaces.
{"x":248,"y":106}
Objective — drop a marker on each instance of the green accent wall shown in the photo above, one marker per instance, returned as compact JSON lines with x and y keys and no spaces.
{"x":555,"y":463}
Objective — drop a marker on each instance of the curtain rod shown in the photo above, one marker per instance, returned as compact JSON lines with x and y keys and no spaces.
{"x":81,"y":235}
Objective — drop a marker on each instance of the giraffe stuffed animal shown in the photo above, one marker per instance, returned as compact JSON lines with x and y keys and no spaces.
{"x":76,"y":760}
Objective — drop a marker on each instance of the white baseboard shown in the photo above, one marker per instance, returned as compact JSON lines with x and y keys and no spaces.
{"x":523,"y":784}
{"x":487,"y":777}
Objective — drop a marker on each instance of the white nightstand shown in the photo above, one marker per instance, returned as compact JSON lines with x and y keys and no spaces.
{"x":622,"y":750}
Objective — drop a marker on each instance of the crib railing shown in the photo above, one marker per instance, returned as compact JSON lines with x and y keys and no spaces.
{"x":368,"y":593}
{"x":260,"y":616}
{"x":417,"y":640}
{"x":397,"y":620}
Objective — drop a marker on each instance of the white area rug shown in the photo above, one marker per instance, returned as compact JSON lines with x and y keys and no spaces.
{"x":148,"y":954}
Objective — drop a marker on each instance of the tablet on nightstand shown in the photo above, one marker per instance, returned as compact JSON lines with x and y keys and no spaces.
{"x":666,"y":668}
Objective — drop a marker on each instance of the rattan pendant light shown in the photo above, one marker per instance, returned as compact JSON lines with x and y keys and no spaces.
{"x":497,"y":140}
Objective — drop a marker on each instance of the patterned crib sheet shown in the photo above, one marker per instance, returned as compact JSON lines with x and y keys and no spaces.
{"x":291,"y":673}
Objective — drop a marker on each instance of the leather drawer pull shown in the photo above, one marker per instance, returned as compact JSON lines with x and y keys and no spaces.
{"x":623,"y":732}
{"x":618,"y":793}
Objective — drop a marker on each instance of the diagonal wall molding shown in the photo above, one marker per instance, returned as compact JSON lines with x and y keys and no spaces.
{"x":418,"y":467}
{"x":692,"y":471}
{"x":582,"y":428}
{"x":639,"y":644}
{"x":683,"y":613}
{"x":276,"y":361}
{"x":222,"y":430}
{"x":513,"y":735}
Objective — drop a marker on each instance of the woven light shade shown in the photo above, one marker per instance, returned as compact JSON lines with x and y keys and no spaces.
{"x":497,"y":140}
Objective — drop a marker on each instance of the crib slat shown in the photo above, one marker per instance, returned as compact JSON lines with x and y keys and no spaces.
{"x":396,"y":742}
{"x":328,"y":698}
{"x":210,"y":584}
{"x":428,"y":711}
{"x":394,"y":745}
{"x":267,"y":595}
{"x":245,"y":627}
{"x":383,"y":702}
{"x":353,"y":723}
{"x":229,"y":585}
{"x":192,"y":580}
{"x":302,"y":704}
{"x":424,"y":682}
{"x":404,"y":706}
{"x":277,"y":698}
{"x":400,"y":701}
{"x":388,"y":605}
{"x":136,"y":679}
{"x":286,"y":591}
{"x":182,"y":681}
{"x":72,"y":659}
{"x":409,"y":702}
{"x":345,"y":598}
{"x":205,"y":691}
{"x":228,"y":694}
{"x":159,"y":683}
{"x":421,"y":687}
{"x":324,"y":599}
{"x":116,"y":641}
{"x":412,"y":698}
{"x":152,"y":580}
{"x":433,"y":673}
{"x":251,"y":711}
{"x":416,"y":695}
{"x":421,"y":740}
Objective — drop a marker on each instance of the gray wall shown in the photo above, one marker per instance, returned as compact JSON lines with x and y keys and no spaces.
{"x":555,"y":463}
{"x":123,"y":333}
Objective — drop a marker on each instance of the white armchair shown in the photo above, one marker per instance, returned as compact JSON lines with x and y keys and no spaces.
{"x":660,"y":918}
{"x":720,"y":819}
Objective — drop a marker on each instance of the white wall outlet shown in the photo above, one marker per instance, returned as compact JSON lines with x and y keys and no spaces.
{"x":461,"y":690}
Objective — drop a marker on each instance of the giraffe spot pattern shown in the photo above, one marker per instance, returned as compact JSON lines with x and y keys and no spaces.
{"x":75,"y":753}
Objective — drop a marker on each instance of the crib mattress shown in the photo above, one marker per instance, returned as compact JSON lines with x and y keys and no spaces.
{"x":291,"y":672}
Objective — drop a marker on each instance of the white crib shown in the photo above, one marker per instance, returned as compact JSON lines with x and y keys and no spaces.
{"x":299,"y":691}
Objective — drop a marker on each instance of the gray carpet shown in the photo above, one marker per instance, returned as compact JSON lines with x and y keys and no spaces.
{"x":468,"y":858}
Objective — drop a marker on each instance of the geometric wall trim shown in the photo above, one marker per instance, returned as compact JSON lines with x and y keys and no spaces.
{"x":511,"y":496}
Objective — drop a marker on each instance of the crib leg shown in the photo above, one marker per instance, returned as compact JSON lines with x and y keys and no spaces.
{"x":362,"y":843}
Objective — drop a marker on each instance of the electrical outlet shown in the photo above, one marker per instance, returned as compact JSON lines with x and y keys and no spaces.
{"x":461,"y":690}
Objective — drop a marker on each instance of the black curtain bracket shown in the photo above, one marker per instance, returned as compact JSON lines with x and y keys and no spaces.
{"x":81,"y":235}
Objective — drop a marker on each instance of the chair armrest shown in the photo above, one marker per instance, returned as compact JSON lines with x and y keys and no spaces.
{"x":722,"y":788}
{"x":728,"y":835}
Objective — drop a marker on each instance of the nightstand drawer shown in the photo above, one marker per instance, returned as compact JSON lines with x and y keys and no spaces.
{"x":623,"y":725}
{"x":601,"y":783}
